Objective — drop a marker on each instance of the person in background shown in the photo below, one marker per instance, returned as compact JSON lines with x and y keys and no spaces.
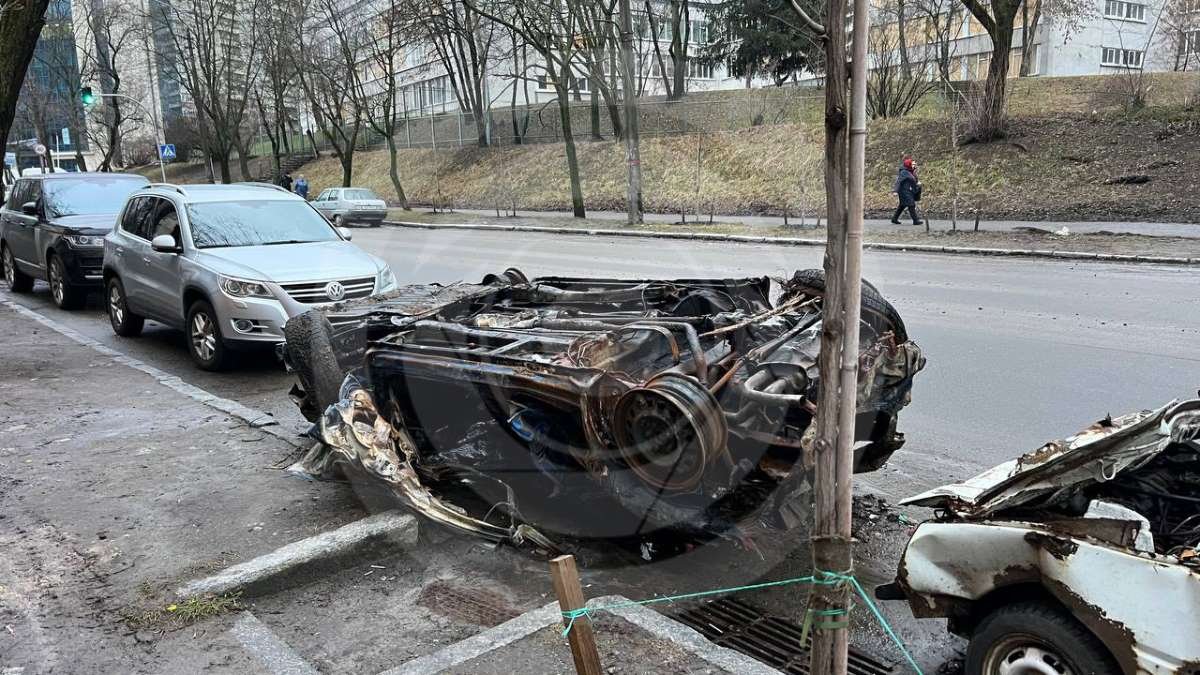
{"x":908,"y":191}
{"x":301,"y":186}
{"x":286,"y":181}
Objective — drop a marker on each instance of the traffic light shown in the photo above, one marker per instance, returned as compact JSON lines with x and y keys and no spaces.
{"x":86,"y":94}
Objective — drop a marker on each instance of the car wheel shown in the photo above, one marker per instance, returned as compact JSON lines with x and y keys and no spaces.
{"x":65,"y":295}
{"x":124,"y":322}
{"x":1035,"y":638}
{"x":205,"y":343}
{"x":876,"y":310}
{"x":16,"y":280}
{"x":337,"y":221}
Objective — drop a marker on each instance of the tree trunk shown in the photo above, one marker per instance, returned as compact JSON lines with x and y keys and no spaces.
{"x":20,"y":25}
{"x":633,"y":159}
{"x":394,"y":172}
{"x":594,"y":116}
{"x":481,"y":128}
{"x":902,"y":29}
{"x":830,"y":550}
{"x":80,"y":162}
{"x":243,"y":158}
{"x":1029,"y":27}
{"x":564,"y":112}
{"x":226,"y":172}
{"x":679,"y":39}
{"x":990,"y":123}
{"x":347,"y":160}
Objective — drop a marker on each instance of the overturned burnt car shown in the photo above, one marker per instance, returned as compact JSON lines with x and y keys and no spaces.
{"x":595,"y":408}
{"x":1082,"y":556}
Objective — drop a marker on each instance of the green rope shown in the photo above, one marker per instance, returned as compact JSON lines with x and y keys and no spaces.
{"x":820,"y":579}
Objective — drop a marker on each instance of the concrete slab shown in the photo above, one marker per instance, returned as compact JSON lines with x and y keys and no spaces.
{"x":399,"y":527}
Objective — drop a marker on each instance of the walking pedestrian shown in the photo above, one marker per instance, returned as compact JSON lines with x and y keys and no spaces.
{"x":908,"y":191}
{"x":286,"y":181}
{"x":302,"y":185}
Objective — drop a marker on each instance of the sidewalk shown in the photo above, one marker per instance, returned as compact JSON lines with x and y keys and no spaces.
{"x":965,"y":222}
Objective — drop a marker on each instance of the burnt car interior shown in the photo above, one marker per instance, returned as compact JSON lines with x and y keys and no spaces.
{"x":590,"y":408}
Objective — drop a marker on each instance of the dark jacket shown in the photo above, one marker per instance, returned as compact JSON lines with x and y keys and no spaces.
{"x":906,"y":187}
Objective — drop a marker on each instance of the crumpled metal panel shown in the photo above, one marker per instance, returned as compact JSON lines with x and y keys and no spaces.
{"x":1143,"y":607}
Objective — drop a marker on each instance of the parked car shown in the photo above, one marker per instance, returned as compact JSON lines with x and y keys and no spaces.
{"x":52,"y":227}
{"x":1080,"y":557}
{"x":345,"y":206}
{"x":228,"y":264}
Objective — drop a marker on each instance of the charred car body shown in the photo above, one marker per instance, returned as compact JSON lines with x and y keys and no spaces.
{"x":683,"y":403}
{"x":1082,"y":556}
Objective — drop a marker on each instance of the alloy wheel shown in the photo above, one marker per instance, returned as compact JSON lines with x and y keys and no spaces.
{"x":57,"y":284}
{"x":204,"y":336}
{"x":116,"y":304}
{"x":1025,"y":655}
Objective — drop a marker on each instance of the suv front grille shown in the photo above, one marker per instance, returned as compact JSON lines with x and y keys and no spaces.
{"x":313,"y":292}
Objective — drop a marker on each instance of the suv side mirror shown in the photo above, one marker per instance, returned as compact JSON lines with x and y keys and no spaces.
{"x":346,"y":233}
{"x":164,"y":243}
{"x":29,"y":208}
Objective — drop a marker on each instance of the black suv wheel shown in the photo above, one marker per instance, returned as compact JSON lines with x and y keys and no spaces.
{"x":65,"y":295}
{"x":16,"y":280}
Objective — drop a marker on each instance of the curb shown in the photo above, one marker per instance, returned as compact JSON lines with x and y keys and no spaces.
{"x":799,"y":241}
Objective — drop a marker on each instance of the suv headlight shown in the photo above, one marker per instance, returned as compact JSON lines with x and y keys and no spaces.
{"x":239,"y":288}
{"x":387,"y":280}
{"x":84,"y":240}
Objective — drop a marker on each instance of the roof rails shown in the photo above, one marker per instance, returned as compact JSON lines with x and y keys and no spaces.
{"x":256,"y":183}
{"x":169,"y":186}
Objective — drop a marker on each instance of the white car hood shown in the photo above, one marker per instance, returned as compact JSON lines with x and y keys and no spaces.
{"x":1096,"y":454}
{"x":289,"y":263}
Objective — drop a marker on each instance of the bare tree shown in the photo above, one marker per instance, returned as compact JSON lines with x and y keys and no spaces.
{"x":112,"y":37}
{"x":216,"y":63}
{"x":990,"y":123}
{"x":49,"y":100}
{"x":550,"y":28}
{"x":463,"y":42}
{"x":21,"y":23}
{"x":680,"y":27}
{"x":598,"y":59}
{"x":278,"y":75}
{"x":942,"y":22}
{"x":381,"y":96}
{"x":894,"y":87}
{"x":1179,"y":31}
{"x":328,"y":70}
{"x":1068,"y":16}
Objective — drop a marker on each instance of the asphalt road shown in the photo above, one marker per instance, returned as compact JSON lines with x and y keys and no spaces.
{"x":1020,"y":351}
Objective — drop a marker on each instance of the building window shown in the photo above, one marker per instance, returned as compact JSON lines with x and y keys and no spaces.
{"x":1191,"y":42}
{"x":1121,"y":58}
{"x":699,"y":71}
{"x":1124,"y":11}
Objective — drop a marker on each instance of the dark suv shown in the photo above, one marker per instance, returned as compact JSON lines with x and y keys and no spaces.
{"x":52,"y":227}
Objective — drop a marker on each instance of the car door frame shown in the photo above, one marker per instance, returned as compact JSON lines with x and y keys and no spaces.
{"x":21,"y":229}
{"x":164,"y":270}
{"x":129,"y":249}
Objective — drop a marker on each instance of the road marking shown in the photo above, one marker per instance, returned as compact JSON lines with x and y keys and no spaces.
{"x":396,"y":526}
{"x":257,"y":419}
{"x":278,"y":657}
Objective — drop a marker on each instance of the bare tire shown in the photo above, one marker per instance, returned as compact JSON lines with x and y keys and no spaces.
{"x":876,"y":310}
{"x":16,"y":280}
{"x":337,"y":221}
{"x":65,"y":295}
{"x":124,"y":322}
{"x":1032,"y":637}
{"x":205,"y":343}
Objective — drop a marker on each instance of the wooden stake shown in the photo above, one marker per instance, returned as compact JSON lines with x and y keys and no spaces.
{"x":570,"y":596}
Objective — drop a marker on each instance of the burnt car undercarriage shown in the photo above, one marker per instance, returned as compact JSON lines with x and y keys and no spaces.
{"x":595,"y":408}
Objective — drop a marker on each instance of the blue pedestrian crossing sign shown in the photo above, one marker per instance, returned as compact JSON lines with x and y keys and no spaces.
{"x":166,"y":150}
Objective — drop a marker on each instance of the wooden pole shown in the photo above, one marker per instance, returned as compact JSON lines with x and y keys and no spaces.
{"x":570,"y":596}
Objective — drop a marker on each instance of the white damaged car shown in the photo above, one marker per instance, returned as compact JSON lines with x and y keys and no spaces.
{"x":1080,"y":557}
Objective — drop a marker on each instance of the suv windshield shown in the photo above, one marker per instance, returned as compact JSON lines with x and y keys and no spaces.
{"x":256,"y":223}
{"x":94,"y":194}
{"x":357,"y":193}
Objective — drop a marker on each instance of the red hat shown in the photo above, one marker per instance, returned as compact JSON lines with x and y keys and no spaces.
{"x":908,"y":163}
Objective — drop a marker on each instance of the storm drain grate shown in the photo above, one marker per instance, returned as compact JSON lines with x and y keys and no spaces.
{"x":468,"y":605}
{"x":776,"y":642}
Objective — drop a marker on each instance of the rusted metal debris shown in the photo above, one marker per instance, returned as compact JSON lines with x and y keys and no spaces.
{"x":685,"y":405}
{"x":1101,"y":528}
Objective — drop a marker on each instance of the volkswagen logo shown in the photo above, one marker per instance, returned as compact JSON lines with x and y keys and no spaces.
{"x":335,"y":291}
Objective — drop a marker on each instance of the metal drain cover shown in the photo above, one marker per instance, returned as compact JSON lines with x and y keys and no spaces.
{"x":774,"y":641}
{"x":466,"y":604}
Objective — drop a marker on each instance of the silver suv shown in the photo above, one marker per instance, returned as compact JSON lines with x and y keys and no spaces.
{"x":229,"y":265}
{"x":344,"y":206}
